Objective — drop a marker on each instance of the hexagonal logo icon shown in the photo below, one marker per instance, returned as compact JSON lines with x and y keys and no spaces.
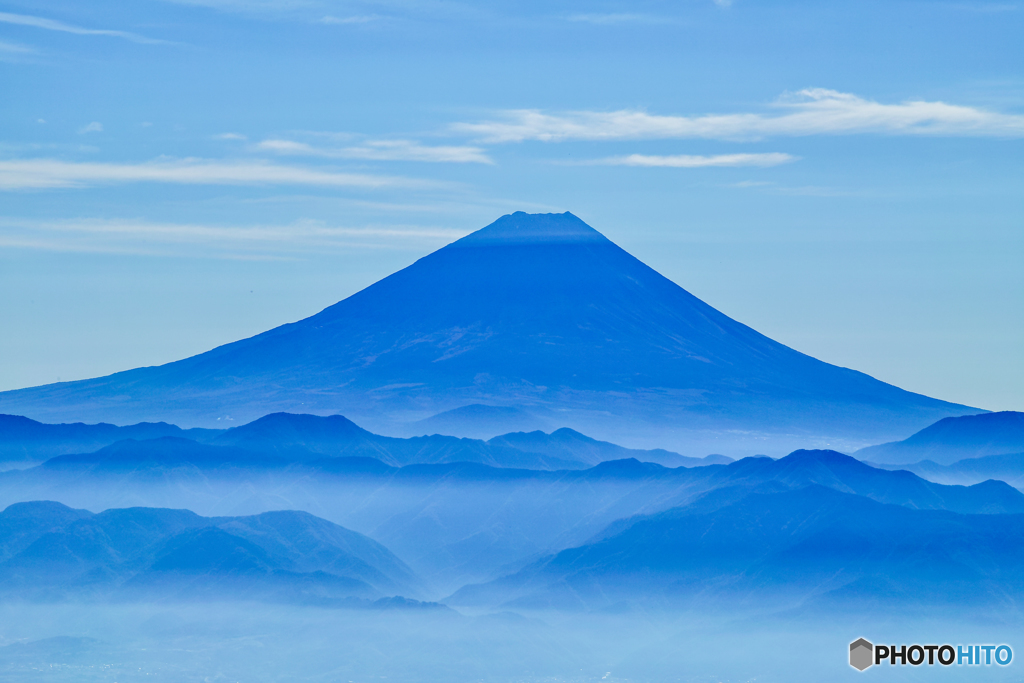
{"x":861,"y":654}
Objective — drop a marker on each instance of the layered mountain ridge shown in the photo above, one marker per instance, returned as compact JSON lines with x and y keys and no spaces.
{"x":50,"y":551}
{"x":955,"y":438}
{"x":808,"y":548}
{"x":460,"y":522}
{"x":285,"y":437}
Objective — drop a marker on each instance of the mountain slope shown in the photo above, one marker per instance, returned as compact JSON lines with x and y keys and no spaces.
{"x":780,"y":550}
{"x":135,"y":552}
{"x":540,"y":312}
{"x":480,"y":421}
{"x":569,"y":445}
{"x":24,"y":441}
{"x":1008,"y":468}
{"x":954,"y":438}
{"x":848,"y":475}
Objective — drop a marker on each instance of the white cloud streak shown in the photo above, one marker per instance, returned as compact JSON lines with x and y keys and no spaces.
{"x":15,"y":48}
{"x":347,"y":20}
{"x":23,"y":174}
{"x":809,"y":112}
{"x":693,"y":161}
{"x":612,"y":19}
{"x":94,"y":127}
{"x":984,"y":7}
{"x":260,"y":233}
{"x":249,"y":5}
{"x":382,"y":150}
{"x":273,"y":241}
{"x":51,"y":25}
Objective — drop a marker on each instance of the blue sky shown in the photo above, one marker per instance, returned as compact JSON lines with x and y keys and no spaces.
{"x":845,"y":177}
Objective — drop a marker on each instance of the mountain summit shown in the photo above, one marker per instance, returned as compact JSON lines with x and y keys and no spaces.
{"x":532,"y":229}
{"x":539,"y":312}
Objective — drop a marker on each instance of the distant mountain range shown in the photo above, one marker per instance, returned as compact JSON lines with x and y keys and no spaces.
{"x":539,"y":318}
{"x":466,"y":511}
{"x":459,"y":522}
{"x":284,"y":437}
{"x":812,"y":548}
{"x":953,"y":439}
{"x":1008,"y":468}
{"x":481,"y":421}
{"x":301,"y":435}
{"x":49,"y":551}
{"x":24,"y":441}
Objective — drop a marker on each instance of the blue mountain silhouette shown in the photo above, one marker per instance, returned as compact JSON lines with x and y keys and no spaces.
{"x":539,"y":312}
{"x":480,"y":421}
{"x":273,"y":442}
{"x":812,"y":546}
{"x":955,"y":438}
{"x":49,"y":551}
{"x":461,"y":522}
{"x":282,"y":438}
{"x":27,"y":441}
{"x":1008,"y":468}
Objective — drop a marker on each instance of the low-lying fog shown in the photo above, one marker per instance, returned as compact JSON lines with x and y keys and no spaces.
{"x":257,"y":642}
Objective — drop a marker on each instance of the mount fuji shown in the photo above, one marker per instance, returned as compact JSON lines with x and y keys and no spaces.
{"x":537,"y":313}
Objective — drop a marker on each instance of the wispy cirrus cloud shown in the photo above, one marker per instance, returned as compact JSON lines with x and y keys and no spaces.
{"x":15,"y":48}
{"x":336,"y":12}
{"x":984,"y":7}
{"x":15,"y":52}
{"x":381,"y":150}
{"x":343,"y":21}
{"x":613,"y":19}
{"x":802,"y":190}
{"x":53,"y":25}
{"x":814,"y":111}
{"x":23,"y":174}
{"x":250,"y":5}
{"x":230,"y":241}
{"x":696,"y":161}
